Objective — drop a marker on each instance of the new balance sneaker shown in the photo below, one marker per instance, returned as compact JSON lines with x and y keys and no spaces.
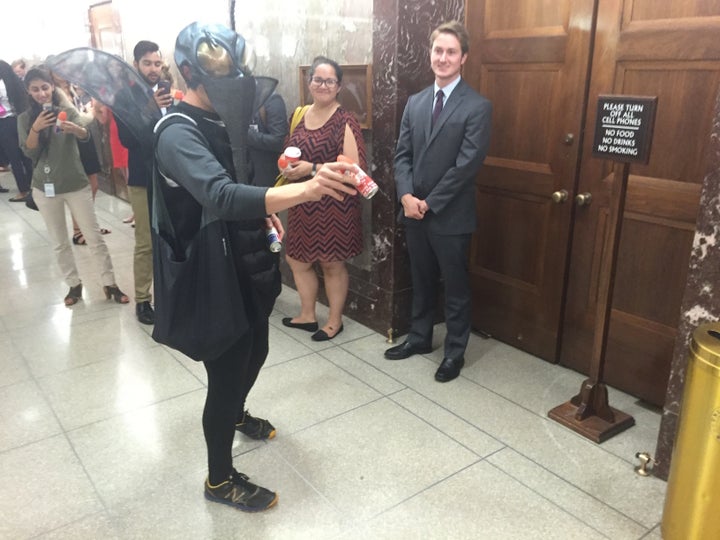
{"x":239,"y":492}
{"x":255,"y":428}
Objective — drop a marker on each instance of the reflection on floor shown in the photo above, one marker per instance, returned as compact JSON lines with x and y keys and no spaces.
{"x":100,"y":433}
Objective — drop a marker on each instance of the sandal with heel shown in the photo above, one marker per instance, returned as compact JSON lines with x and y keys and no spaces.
{"x":112,"y":291}
{"x":78,"y":239}
{"x":73,"y":295}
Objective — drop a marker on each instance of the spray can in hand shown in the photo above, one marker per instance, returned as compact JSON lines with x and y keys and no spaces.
{"x":364,"y":184}
{"x":61,"y":117}
{"x":273,"y":240}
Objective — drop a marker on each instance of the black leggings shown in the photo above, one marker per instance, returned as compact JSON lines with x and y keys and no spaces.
{"x":230,"y":378}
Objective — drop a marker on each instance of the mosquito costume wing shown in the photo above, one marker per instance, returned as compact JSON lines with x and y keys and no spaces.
{"x":114,"y":83}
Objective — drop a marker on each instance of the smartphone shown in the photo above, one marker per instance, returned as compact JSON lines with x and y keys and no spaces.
{"x":163,"y":87}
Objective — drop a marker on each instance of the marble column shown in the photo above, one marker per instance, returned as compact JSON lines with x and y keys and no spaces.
{"x":401,"y":67}
{"x":701,"y":300}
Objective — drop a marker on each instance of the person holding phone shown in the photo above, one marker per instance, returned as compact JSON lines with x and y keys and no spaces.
{"x":149,"y":64}
{"x":48,"y":133}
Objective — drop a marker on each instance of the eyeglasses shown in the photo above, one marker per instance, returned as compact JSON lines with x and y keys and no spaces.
{"x":319,"y":81}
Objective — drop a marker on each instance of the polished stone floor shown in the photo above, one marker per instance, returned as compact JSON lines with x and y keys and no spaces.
{"x":100,"y":433}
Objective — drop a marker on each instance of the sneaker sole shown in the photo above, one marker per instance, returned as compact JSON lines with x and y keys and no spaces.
{"x":271,"y":435}
{"x":212,"y":498}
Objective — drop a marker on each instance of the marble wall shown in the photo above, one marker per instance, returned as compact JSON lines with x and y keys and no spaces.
{"x":701,"y":300}
{"x":401,"y":67}
{"x":287,"y":35}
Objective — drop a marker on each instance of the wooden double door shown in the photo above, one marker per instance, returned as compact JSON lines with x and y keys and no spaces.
{"x":543,"y":199}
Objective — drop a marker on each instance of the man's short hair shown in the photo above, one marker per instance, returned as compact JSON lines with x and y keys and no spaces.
{"x":455,"y":28}
{"x":144,"y":47}
{"x":19,"y":62}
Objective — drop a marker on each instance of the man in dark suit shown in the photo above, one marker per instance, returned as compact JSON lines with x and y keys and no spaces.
{"x":148,"y":63}
{"x":444,"y":137}
{"x":265,"y":140}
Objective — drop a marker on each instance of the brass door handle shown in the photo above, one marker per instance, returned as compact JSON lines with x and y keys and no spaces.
{"x":560,"y":196}
{"x":583,"y":199}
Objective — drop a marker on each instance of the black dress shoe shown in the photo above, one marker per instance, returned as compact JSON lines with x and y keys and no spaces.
{"x":145,"y":313}
{"x":449,"y":369}
{"x":307,"y":326}
{"x":405,"y":350}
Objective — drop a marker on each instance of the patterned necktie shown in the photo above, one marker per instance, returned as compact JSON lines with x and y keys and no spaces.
{"x":438,"y":106}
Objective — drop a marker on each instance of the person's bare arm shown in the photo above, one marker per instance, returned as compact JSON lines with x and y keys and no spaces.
{"x":329,"y":181}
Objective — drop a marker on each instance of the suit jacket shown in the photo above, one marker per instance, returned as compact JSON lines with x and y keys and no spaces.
{"x":439,"y":163}
{"x":266,"y":144}
{"x":140,"y":152}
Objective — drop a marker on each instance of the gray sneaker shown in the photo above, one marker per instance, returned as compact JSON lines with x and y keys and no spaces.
{"x":239,"y":492}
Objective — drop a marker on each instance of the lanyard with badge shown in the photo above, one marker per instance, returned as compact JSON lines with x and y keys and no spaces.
{"x":49,"y":186}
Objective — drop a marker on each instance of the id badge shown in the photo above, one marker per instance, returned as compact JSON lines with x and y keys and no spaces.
{"x":49,"y":190}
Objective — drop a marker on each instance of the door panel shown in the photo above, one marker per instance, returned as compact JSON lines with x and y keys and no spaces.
{"x":535,"y":265}
{"x":645,"y":47}
{"x":530,"y":58}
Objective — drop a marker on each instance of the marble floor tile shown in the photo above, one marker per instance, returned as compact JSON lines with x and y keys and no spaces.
{"x":99,"y":525}
{"x":372,"y":458}
{"x":105,"y":389}
{"x":13,"y":368}
{"x":343,"y":358}
{"x":101,"y":433}
{"x":27,"y":416}
{"x":570,"y":456}
{"x":655,"y":534}
{"x":563,"y":494}
{"x":445,"y":421}
{"x":129,"y":455}
{"x":44,"y":486}
{"x":301,"y":512}
{"x":63,"y":345}
{"x":300,"y":393}
{"x":479,"y":501}
{"x":285,"y":347}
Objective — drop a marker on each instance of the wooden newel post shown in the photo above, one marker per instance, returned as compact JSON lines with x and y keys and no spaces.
{"x":623,"y":133}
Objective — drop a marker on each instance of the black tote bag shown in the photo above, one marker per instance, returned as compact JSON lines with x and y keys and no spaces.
{"x":199,"y":308}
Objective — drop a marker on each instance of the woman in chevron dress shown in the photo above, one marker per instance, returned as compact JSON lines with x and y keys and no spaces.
{"x":327,"y":231}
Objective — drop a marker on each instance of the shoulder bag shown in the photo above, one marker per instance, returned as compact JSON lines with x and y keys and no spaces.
{"x":199,"y":306}
{"x":280,"y":180}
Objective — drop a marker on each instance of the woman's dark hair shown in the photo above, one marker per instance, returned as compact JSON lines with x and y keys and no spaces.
{"x":13,"y":85}
{"x":43,"y":74}
{"x":319,"y":60}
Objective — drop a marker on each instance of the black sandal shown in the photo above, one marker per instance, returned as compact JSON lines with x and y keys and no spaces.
{"x":112,"y":291}
{"x":73,"y":295}
{"x":79,"y":239}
